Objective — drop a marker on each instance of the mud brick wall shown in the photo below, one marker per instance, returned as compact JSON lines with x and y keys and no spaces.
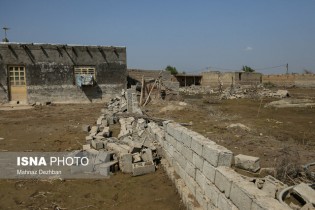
{"x":211,"y":78}
{"x":201,"y":171}
{"x":288,"y":80}
{"x":50,"y":75}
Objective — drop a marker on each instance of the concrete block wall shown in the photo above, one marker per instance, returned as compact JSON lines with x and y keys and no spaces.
{"x":287,"y":80}
{"x":202,"y":168}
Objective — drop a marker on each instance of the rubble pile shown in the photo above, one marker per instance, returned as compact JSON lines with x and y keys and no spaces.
{"x":195,"y":89}
{"x":252,"y":92}
{"x":134,"y":150}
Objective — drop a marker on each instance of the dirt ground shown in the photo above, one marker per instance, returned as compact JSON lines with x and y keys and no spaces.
{"x":273,"y":132}
{"x":58,"y":128}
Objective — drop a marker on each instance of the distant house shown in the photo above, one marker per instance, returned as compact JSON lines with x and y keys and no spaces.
{"x":213,"y":78}
{"x":188,"y":79}
{"x":60,"y":73}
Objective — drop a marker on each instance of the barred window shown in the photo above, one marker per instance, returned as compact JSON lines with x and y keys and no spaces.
{"x":17,"y":75}
{"x":84,"y":71}
{"x":84,"y":76}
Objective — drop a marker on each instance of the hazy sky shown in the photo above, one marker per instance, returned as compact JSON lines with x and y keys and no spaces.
{"x":190,"y":35}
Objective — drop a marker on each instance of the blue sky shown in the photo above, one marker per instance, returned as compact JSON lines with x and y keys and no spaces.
{"x":190,"y":35}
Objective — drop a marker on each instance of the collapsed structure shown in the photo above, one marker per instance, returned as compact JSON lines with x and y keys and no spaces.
{"x":200,"y":169}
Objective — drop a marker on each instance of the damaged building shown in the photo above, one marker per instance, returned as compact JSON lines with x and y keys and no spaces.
{"x":32,"y":73}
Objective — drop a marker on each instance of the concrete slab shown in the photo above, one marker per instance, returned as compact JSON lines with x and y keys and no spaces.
{"x":246,"y":162}
{"x":125,"y":163}
{"x":142,"y":168}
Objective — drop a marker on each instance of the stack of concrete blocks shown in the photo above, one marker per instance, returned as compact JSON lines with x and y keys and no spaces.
{"x":133,"y":150}
{"x":201,"y":169}
{"x":99,"y":162}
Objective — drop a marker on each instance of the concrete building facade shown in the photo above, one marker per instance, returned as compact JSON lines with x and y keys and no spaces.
{"x":48,"y":72}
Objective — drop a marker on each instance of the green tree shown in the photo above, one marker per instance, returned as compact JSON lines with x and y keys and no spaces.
{"x":247,"y":69}
{"x":171,"y":69}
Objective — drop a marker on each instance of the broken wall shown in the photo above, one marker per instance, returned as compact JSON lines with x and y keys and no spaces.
{"x":50,"y":73}
{"x":201,"y":169}
{"x":135,"y":77}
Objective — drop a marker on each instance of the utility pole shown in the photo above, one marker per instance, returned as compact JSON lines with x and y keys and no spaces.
{"x":5,"y":34}
{"x":287,"y":67}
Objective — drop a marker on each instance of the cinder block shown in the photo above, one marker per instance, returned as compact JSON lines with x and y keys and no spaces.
{"x":97,"y":144}
{"x":179,"y":146}
{"x":170,"y":140}
{"x":191,"y":170}
{"x":180,"y":159}
{"x":179,"y":170}
{"x":160,"y":137}
{"x":209,"y":171}
{"x":86,"y":146}
{"x":217,"y":155}
{"x":202,"y":200}
{"x":225,"y":204}
{"x":212,"y":193}
{"x":224,"y":178}
{"x":170,"y":129}
{"x":102,"y":157}
{"x":178,"y":132}
{"x":246,"y":162}
{"x":267,"y":203}
{"x":169,"y":148}
{"x":187,"y":153}
{"x":125,"y":163}
{"x":197,"y":143}
{"x":142,"y":168}
{"x":198,"y":161}
{"x":243,"y":192}
{"x":201,"y":180}
{"x":168,"y":157}
{"x":191,"y":184}
{"x":186,"y":137}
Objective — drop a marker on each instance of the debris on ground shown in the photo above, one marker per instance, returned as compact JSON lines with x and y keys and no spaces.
{"x":195,"y":89}
{"x":238,"y":126}
{"x":291,"y":103}
{"x":134,"y":150}
{"x":252,"y":92}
